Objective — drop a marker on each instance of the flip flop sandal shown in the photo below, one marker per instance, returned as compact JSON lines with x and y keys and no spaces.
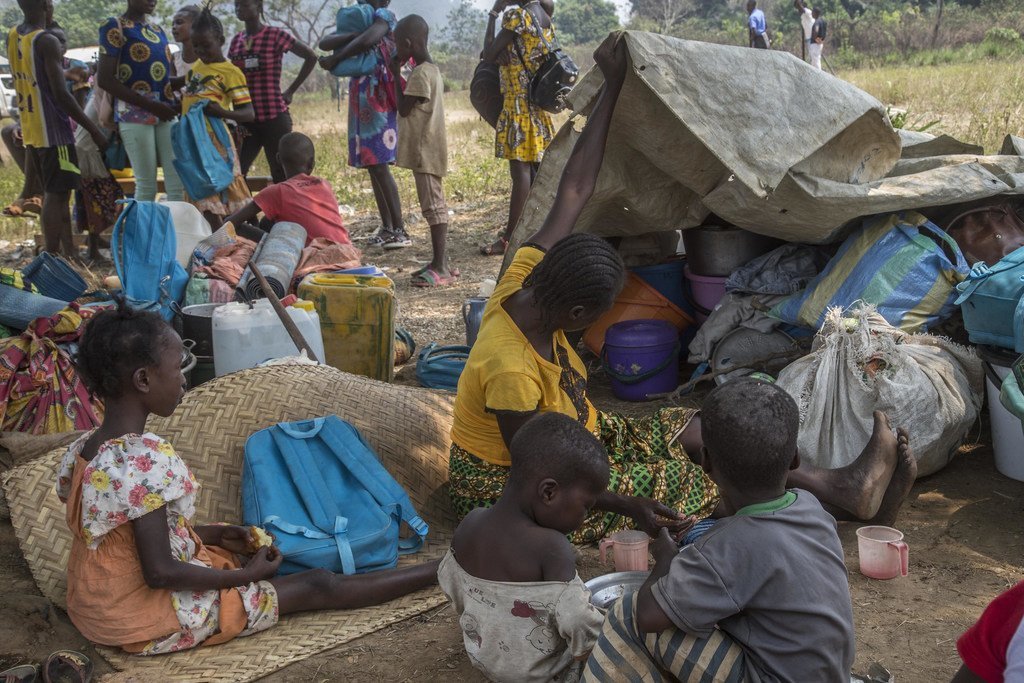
{"x":15,"y":209}
{"x":454,"y":270}
{"x":67,"y":666}
{"x":431,"y":278}
{"x":23,"y":673}
{"x":397,"y":241}
{"x":33,"y":205}
{"x":491,"y":250}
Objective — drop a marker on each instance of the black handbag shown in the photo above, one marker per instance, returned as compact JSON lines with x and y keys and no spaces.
{"x":551,"y":83}
{"x":485,"y":92}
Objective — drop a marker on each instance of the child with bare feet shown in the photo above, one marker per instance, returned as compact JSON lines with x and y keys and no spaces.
{"x":511,"y":573}
{"x":761,"y":596}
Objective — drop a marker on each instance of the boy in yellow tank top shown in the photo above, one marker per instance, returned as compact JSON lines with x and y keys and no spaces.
{"x":44,"y":104}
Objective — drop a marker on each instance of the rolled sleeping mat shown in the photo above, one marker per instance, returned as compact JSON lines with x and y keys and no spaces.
{"x":277,"y":257}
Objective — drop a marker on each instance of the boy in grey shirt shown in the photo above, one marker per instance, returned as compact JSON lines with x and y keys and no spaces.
{"x":763,"y":595}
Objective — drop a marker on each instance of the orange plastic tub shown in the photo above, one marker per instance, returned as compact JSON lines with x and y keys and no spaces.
{"x":637,"y":301}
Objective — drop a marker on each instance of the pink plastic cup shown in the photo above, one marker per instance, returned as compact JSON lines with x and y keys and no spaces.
{"x":629,"y":550}
{"x":883,"y":554}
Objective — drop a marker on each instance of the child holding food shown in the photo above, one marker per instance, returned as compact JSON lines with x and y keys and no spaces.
{"x":140,"y":575}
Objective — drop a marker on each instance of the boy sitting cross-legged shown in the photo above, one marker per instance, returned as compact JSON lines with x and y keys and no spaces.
{"x":511,"y":573}
{"x":762,"y":596}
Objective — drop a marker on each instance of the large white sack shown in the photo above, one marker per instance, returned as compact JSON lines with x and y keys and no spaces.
{"x":860,"y":364}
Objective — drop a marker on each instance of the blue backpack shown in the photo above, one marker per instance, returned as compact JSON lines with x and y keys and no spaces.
{"x":992,"y":301}
{"x":355,"y":19}
{"x":440,"y":367}
{"x":203,"y":170}
{"x":330,"y":504}
{"x":144,"y":247}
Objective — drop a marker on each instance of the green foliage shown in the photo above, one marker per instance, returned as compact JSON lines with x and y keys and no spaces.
{"x":585,"y":21}
{"x":464,"y":31}
{"x":82,"y":19}
{"x":901,"y":120}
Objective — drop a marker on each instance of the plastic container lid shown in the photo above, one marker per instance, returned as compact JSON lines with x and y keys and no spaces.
{"x":303,"y":304}
{"x":638,"y":333}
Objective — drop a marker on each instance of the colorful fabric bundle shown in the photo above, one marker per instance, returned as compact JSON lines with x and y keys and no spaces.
{"x":902,"y":264}
{"x":40,"y":390}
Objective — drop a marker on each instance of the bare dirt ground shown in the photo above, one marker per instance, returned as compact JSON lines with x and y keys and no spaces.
{"x":964,"y":527}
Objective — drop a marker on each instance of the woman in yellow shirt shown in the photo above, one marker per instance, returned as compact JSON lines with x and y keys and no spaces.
{"x":522,"y":364}
{"x":214,"y":78}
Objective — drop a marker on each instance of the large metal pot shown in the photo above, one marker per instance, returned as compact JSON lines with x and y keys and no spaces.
{"x":197,"y":325}
{"x":718,"y":250}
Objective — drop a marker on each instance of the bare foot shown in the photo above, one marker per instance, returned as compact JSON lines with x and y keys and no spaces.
{"x":902,"y":480}
{"x":860,"y":487}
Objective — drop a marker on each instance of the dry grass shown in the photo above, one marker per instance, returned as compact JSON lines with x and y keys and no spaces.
{"x":980,"y":102}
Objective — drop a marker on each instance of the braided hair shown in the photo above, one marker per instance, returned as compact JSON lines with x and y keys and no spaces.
{"x":580,"y":270}
{"x":208,"y":21}
{"x":115,"y":344}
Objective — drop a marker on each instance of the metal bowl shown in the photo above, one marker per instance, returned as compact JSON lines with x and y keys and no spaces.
{"x":606,"y":589}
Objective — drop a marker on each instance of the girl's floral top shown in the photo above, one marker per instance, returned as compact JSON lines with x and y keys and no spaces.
{"x":130,"y":477}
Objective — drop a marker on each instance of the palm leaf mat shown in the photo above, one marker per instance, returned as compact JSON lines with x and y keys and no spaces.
{"x":407,"y":427}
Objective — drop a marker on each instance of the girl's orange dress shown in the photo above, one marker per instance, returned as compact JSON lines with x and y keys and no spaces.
{"x":108,"y":599}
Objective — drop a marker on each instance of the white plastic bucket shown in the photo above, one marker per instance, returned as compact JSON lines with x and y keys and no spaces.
{"x":1007,"y":433}
{"x":244,"y":338}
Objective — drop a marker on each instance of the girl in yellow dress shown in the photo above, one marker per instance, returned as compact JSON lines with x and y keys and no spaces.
{"x":524,"y":130}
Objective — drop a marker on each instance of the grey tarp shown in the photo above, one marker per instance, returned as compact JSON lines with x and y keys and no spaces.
{"x":760,"y":139}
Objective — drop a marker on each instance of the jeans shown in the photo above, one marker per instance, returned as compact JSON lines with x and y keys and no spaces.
{"x":265,"y":135}
{"x":147,"y":147}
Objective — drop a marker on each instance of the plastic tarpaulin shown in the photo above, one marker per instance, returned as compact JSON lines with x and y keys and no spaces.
{"x":760,"y":139}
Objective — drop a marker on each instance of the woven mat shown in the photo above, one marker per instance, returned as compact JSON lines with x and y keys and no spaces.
{"x":407,"y":427}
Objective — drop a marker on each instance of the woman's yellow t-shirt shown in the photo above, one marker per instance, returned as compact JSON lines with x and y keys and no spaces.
{"x":505,"y":373}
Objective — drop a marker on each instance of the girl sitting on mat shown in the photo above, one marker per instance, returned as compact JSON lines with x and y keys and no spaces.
{"x":140,"y":576}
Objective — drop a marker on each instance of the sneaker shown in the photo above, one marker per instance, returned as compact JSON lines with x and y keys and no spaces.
{"x":380,"y":237}
{"x":398,"y":240}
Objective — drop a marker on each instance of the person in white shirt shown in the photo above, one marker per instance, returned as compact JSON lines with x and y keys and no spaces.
{"x":806,"y":23}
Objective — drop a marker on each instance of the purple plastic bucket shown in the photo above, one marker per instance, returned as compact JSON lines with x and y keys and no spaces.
{"x":706,"y":291}
{"x":642,"y":358}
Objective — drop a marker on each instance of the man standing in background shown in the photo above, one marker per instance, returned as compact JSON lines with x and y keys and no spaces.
{"x":806,"y":22}
{"x":758,"y":27}
{"x":819,"y":31}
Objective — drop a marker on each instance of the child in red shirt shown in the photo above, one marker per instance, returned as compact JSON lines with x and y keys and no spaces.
{"x":302,"y":198}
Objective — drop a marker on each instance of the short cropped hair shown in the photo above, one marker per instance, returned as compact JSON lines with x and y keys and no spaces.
{"x":555,"y":446}
{"x":750,"y":428}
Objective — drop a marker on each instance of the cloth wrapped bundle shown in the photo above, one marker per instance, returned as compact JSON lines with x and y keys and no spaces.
{"x":41,"y":392}
{"x":277,"y":257}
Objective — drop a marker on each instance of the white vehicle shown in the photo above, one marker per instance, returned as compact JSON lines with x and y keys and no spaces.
{"x":8,"y":98}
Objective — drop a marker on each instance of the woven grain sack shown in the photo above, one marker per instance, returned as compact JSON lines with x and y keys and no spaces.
{"x":860,"y":364}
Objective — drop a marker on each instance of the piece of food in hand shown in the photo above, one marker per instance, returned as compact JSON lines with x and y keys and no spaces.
{"x":260,"y":539}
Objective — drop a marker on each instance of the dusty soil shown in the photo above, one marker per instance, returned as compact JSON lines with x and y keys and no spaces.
{"x":964,"y":526}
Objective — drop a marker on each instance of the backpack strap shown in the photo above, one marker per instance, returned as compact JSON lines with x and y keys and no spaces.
{"x":981,"y":272}
{"x":366,"y":468}
{"x":117,"y":238}
{"x":315,"y":495}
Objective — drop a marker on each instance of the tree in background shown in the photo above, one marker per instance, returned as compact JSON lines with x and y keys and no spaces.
{"x":585,"y":21}
{"x":81,"y":19}
{"x":307,"y":20}
{"x":664,"y":15}
{"x":463,"y":33}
